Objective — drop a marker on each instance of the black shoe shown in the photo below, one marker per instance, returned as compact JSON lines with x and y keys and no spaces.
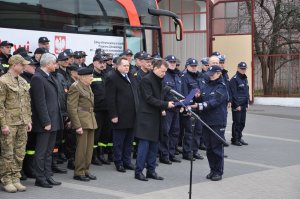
{"x":71,"y":164}
{"x":23,"y":176}
{"x":103,"y":160}
{"x":179,"y":150}
{"x":236,"y":143}
{"x":120,"y":168}
{"x":51,"y":181}
{"x":81,"y":178}
{"x":154,"y":176}
{"x":198,"y":156}
{"x":141,"y":177}
{"x":90,"y":176}
{"x":225,"y":156}
{"x":43,"y":184}
{"x":188,"y":157}
{"x":56,"y":169}
{"x":209,"y":175}
{"x":174,"y":159}
{"x":96,"y":161}
{"x":216,"y":177}
{"x":202,"y":147}
{"x":243,"y":142}
{"x":165,"y":161}
{"x":129,"y":166}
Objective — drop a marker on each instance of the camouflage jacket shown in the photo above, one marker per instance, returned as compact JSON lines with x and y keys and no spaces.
{"x":15,"y":106}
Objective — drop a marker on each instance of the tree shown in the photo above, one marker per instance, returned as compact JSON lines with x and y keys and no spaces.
{"x":276,"y":31}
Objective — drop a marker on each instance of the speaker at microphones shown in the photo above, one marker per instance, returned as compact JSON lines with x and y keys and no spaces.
{"x":168,"y":89}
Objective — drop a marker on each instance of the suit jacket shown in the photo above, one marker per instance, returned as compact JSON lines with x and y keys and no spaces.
{"x":45,"y":102}
{"x":80,"y":105}
{"x":122,"y":99}
{"x":151,"y":105}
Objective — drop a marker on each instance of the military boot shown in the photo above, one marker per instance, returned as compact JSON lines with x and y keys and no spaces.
{"x":19,"y":186}
{"x":10,"y":188}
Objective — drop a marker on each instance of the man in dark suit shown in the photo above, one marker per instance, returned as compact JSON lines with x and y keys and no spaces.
{"x":122,"y":103}
{"x":149,"y":119}
{"x":46,"y":118}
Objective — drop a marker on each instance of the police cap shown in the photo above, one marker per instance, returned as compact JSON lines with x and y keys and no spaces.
{"x":242,"y":65}
{"x":191,"y":62}
{"x":213,"y":69}
{"x":170,"y":58}
{"x":6,"y":43}
{"x":43,"y":40}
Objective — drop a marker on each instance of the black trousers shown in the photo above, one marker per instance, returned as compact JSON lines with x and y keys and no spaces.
{"x":238,"y":124}
{"x":45,"y":142}
{"x":103,"y":134}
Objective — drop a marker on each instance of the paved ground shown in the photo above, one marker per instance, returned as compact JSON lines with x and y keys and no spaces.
{"x":268,"y":168}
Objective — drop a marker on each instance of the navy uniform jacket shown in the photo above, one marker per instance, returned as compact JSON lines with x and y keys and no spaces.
{"x":173,"y":80}
{"x":191,"y":81}
{"x":214,"y":93}
{"x":226,"y":81}
{"x":240,"y":91}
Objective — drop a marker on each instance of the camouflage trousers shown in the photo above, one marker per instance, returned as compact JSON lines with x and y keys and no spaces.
{"x":12,"y":153}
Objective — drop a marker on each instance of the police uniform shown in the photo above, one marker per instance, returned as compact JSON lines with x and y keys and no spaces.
{"x":240,"y":98}
{"x":213,"y":112}
{"x":81,"y":112}
{"x":170,"y":121}
{"x":191,"y":143}
{"x":15,"y":113}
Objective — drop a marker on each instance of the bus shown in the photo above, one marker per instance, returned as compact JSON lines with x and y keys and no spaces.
{"x":112,"y":25}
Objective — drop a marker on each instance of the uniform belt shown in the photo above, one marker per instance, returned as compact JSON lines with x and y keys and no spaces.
{"x":91,"y":109}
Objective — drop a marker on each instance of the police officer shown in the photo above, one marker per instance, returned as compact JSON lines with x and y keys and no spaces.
{"x":145,"y":60}
{"x":5,"y":49}
{"x":137,"y":60}
{"x":170,"y":120}
{"x":15,"y":121}
{"x":81,"y":113}
{"x":103,"y":132}
{"x":240,"y":102}
{"x":44,"y":43}
{"x":225,"y":77}
{"x":192,"y":79}
{"x":213,"y":111}
{"x":205,"y":64}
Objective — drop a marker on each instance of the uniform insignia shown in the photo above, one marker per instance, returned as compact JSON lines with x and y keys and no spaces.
{"x":135,"y":74}
{"x":66,"y":90}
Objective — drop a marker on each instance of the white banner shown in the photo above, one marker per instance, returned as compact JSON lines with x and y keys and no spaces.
{"x":60,"y":41}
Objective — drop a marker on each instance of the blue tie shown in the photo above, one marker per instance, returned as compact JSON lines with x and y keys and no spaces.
{"x":126,"y":76}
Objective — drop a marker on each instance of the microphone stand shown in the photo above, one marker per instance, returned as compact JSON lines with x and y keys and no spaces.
{"x":195,"y":116}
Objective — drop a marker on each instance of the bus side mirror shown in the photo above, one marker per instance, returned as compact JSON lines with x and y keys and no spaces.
{"x":178,"y":30}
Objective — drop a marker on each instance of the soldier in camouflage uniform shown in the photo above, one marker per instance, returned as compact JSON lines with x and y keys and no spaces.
{"x":15,"y":121}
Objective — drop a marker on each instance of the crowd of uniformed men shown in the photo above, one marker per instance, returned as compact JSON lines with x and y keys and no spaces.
{"x":59,"y":109}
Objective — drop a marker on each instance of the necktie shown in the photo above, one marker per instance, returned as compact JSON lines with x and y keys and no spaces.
{"x":126,"y":76}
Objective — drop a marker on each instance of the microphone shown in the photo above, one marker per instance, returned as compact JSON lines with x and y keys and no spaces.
{"x":170,"y":90}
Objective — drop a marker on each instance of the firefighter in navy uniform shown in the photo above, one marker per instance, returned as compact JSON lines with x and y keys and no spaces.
{"x":28,"y":167}
{"x":5,"y":49}
{"x":240,"y":102}
{"x":170,"y":121}
{"x":103,"y":132}
{"x":213,"y":112}
{"x":192,"y":79}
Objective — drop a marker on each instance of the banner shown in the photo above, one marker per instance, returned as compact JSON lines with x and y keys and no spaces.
{"x":60,"y":41}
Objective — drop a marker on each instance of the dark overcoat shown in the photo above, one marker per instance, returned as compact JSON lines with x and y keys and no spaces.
{"x":122,"y":99}
{"x":45,"y":102}
{"x":151,"y":105}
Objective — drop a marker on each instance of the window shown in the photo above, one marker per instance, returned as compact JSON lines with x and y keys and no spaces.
{"x":192,"y":13}
{"x":60,"y":15}
{"x":231,"y":18}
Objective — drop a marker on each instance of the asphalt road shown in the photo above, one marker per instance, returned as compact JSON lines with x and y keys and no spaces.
{"x":269,"y":167}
